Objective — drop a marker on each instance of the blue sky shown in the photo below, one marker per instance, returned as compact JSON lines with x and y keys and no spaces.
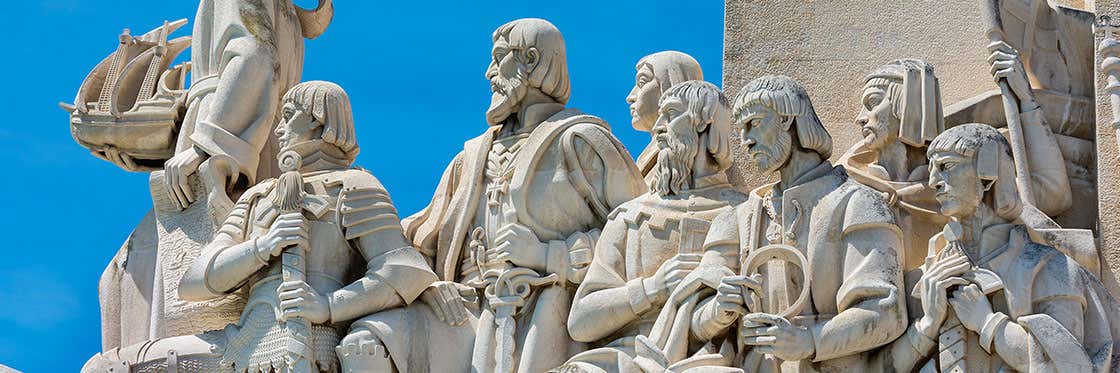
{"x":414,"y":72}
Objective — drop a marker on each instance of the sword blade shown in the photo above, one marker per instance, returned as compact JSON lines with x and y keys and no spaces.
{"x":507,"y":327}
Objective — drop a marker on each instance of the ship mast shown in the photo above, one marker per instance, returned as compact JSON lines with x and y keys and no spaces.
{"x":147,"y":89}
{"x":114,"y":72}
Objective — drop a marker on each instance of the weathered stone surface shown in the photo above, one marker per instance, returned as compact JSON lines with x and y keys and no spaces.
{"x":830,"y":46}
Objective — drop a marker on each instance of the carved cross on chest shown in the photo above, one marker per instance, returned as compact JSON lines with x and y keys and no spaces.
{"x":499,"y":167}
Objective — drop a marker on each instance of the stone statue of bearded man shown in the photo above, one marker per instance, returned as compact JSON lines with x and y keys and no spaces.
{"x":656,"y":73}
{"x":520,"y":207}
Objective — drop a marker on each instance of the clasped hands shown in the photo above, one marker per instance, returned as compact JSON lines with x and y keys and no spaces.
{"x":968,"y":301}
{"x":766,"y":333}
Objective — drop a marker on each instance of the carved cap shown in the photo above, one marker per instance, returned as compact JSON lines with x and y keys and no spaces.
{"x":915,"y":96}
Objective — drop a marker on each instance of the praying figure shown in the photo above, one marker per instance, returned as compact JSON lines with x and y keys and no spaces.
{"x":901,"y":112}
{"x":514,"y":219}
{"x":652,"y":242}
{"x":992,"y":297}
{"x":656,"y":73}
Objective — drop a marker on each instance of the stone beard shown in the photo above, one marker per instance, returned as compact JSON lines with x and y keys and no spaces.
{"x":673,"y":171}
{"x":508,"y":94}
{"x":771,"y":157}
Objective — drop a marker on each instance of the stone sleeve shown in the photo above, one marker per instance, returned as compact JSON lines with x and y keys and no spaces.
{"x":234,"y":126}
{"x":396,"y":273}
{"x":600,"y":168}
{"x":871,"y":308}
{"x":230,"y":258}
{"x":606,"y":301}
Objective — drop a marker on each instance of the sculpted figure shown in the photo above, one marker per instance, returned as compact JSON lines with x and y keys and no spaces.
{"x":651,"y":243}
{"x":901,"y":112}
{"x":319,"y":246}
{"x":852,"y":279}
{"x":1054,"y":42}
{"x":234,"y":98}
{"x":991,"y":297}
{"x":656,"y":73}
{"x":515,"y":215}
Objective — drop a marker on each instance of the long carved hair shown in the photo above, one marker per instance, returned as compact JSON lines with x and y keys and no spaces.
{"x":788,"y":98}
{"x":551,"y":72}
{"x":708,"y":106}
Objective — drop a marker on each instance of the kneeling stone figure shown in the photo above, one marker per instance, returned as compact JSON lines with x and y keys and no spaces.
{"x":319,"y":246}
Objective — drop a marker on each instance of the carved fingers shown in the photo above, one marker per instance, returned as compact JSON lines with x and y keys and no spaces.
{"x":298,"y":299}
{"x":518,"y":245}
{"x":677,"y":268}
{"x":289,"y":229}
{"x":936,"y":281}
{"x":971,"y":305}
{"x":121,"y":159}
{"x":775,"y":335}
{"x":733,"y":296}
{"x":1005,"y":64}
{"x":446,"y":301}
{"x":176,"y":171}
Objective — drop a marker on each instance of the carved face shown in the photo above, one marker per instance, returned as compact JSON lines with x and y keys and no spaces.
{"x":507,"y":81}
{"x":766,"y":137}
{"x":678,"y":143}
{"x":643,"y":99}
{"x":957,"y":184}
{"x":877,"y":124}
{"x":298,"y":126}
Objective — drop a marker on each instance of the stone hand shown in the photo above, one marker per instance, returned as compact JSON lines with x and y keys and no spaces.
{"x":774,"y":335}
{"x":670,"y":274}
{"x":446,"y":301}
{"x":1005,"y":64}
{"x":517,"y":244}
{"x":733,"y":297}
{"x":935,"y":283}
{"x":176,"y":173}
{"x":298,"y":299}
{"x":122,"y":160}
{"x":288,"y":230}
{"x":972,"y":306}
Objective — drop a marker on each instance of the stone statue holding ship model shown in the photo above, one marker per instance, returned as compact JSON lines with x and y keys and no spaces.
{"x":934,"y":244}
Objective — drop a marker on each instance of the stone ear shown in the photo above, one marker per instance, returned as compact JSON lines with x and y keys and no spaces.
{"x":987,"y":161}
{"x":531,"y":57}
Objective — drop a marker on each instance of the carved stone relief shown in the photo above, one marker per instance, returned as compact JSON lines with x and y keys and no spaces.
{"x":959,"y":228}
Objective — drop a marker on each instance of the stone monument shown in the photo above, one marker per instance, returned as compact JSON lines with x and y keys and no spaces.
{"x":968,"y":222}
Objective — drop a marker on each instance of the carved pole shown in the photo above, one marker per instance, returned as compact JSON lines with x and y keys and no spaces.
{"x":294,"y":264}
{"x":1109,"y":50}
{"x":990,"y":12}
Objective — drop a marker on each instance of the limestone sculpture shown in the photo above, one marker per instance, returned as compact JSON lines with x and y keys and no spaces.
{"x":233,"y":103}
{"x":652,"y":242}
{"x":846,"y":298}
{"x":133,"y":110}
{"x":991,"y":298}
{"x":320,"y":245}
{"x":1054,"y":42}
{"x":901,"y":112}
{"x":656,"y":73}
{"x":932,"y":245}
{"x":506,"y":221}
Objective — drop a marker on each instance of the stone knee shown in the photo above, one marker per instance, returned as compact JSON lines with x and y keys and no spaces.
{"x":363,"y":351}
